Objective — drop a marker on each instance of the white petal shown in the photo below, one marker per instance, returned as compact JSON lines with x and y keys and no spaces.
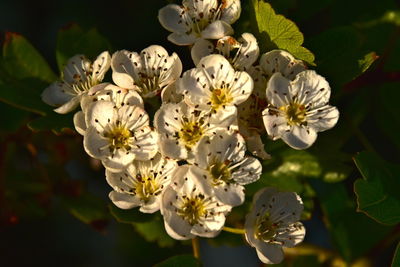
{"x":95,"y":144}
{"x":279,"y":90}
{"x":200,"y":49}
{"x":299,"y":137}
{"x":281,"y":61}
{"x":69,"y":106}
{"x":275,"y":124}
{"x":181,"y":38}
{"x":286,"y":207}
{"x":248,"y":172}
{"x":58,"y":93}
{"x":124,"y":70}
{"x":232,"y":11}
{"x":311,"y":88}
{"x":232,"y":194}
{"x":76,"y":69}
{"x":170,"y":18}
{"x":292,"y":238}
{"x":323,"y":118}
{"x":248,"y":52}
{"x":256,"y":147}
{"x":270,"y":253}
{"x":79,"y":122}
{"x":146,"y":146}
{"x":99,"y":114}
{"x":101,"y":65}
{"x":216,"y":30}
{"x":123,"y":201}
{"x":118,"y":161}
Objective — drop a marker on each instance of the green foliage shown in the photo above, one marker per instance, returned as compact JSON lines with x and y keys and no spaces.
{"x":86,"y":208}
{"x":347,"y":228}
{"x":180,"y":261}
{"x":378,"y":193}
{"x":396,"y":258}
{"x":73,"y":40}
{"x":154,"y":231}
{"x":276,"y":32}
{"x":23,"y":75}
{"x":129,"y":216}
{"x":52,"y":121}
{"x":23,"y":61}
{"x":341,"y":60}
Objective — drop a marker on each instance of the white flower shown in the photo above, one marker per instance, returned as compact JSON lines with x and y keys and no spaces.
{"x":141,"y":184}
{"x":207,"y":19}
{"x":188,"y":207}
{"x":78,"y":77}
{"x":241,"y":53}
{"x":149,"y":72}
{"x":298,"y":109}
{"x":109,"y":92}
{"x":181,"y":127}
{"x":215,"y":86}
{"x":117,"y":136}
{"x":273,"y":223}
{"x":225,"y":166}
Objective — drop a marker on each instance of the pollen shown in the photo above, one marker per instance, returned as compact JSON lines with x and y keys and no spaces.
{"x":220,"y":97}
{"x":220,"y":172}
{"x":119,"y":137}
{"x":295,"y":113}
{"x":266,"y":230}
{"x":193,"y":209}
{"x":146,"y":187}
{"x":191,"y":132}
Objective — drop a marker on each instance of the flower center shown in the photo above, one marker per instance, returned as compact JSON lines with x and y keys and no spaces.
{"x":220,"y":97}
{"x":191,"y":132}
{"x":192,"y":209}
{"x":220,"y":172}
{"x":149,"y":84}
{"x":81,"y":86}
{"x":146,"y":187}
{"x":119,"y":138}
{"x":266,"y":230}
{"x":295,"y":113}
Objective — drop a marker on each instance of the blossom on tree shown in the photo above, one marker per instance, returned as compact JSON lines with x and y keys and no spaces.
{"x":149,"y":72}
{"x":78,"y":77}
{"x":298,"y":109}
{"x":225,"y":166}
{"x":273,"y":223}
{"x":141,"y":183}
{"x":189,"y":208}
{"x":207,"y":19}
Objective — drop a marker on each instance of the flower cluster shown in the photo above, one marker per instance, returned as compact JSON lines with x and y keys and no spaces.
{"x":189,"y":162}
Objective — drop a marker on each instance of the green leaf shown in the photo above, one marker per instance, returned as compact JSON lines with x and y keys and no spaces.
{"x":396,"y":258}
{"x":24,"y":94}
{"x":340,"y":55}
{"x":53,"y":121}
{"x":87,"y":208}
{"x":73,"y":40}
{"x":180,"y":261}
{"x":12,"y":118}
{"x":154,"y":231}
{"x":387,"y":115}
{"x":348,"y":229}
{"x":277,"y":32}
{"x":22,"y":60}
{"x":377,"y":194}
{"x":129,"y":216}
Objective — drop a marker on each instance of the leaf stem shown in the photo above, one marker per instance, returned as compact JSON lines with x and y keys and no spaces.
{"x":234,"y":230}
{"x":196,"y":247}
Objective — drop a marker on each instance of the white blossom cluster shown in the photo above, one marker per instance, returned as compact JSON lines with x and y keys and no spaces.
{"x":190,"y":161}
